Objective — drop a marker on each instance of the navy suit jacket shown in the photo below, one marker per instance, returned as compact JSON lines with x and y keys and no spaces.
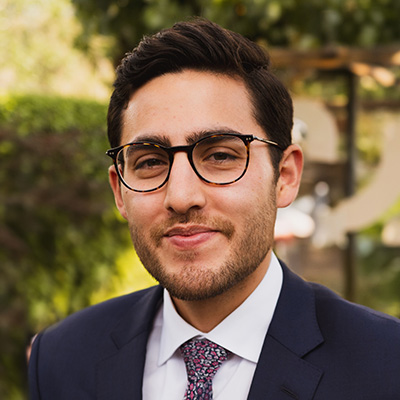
{"x":318,"y":346}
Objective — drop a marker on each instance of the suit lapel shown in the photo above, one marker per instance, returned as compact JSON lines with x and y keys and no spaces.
{"x":120,"y":376}
{"x":281,"y":372}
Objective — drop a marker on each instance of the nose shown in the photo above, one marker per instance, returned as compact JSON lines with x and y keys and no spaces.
{"x":184,"y":189}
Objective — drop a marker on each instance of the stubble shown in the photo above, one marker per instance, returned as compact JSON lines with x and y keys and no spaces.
{"x":196,"y":282}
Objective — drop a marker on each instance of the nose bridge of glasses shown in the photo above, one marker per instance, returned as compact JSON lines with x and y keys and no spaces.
{"x":188,"y":149}
{"x":184,"y":148}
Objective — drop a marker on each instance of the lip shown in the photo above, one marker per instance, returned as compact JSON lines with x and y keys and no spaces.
{"x":189,"y":237}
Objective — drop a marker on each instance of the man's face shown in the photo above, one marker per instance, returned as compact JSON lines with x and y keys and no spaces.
{"x":196,"y":239}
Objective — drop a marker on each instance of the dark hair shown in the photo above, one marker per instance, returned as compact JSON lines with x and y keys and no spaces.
{"x":202,"y":45}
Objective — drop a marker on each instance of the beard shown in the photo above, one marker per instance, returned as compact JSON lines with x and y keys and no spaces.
{"x":194,"y":281}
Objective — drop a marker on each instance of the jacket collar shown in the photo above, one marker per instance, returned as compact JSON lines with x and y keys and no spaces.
{"x":120,"y":375}
{"x":141,"y":321}
{"x":294,"y":324}
{"x":281,"y":372}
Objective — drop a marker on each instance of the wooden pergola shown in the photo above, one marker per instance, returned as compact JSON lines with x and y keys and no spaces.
{"x":350,"y":63}
{"x":336,"y":58}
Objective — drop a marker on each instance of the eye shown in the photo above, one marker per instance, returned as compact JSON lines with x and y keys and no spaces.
{"x":219,"y":155}
{"x":145,"y":161}
{"x":149,"y":163}
{"x":220,"y":151}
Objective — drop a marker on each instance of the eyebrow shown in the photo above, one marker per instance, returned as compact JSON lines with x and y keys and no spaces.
{"x":190,"y":138}
{"x":162,"y":140}
{"x":195,"y":136}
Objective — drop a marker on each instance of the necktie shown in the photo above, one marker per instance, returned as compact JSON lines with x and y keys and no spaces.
{"x":203,"y":359}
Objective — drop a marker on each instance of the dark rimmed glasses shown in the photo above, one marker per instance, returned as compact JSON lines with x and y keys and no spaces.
{"x":218,"y":159}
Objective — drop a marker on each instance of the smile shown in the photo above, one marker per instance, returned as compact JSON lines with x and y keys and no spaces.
{"x":189,"y":237}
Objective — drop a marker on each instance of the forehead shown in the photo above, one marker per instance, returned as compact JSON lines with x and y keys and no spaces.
{"x":177,"y":105}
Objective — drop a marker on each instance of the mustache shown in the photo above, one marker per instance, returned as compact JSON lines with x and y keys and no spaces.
{"x":219,"y":224}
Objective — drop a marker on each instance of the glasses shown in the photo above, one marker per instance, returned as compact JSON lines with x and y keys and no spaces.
{"x":218,"y":159}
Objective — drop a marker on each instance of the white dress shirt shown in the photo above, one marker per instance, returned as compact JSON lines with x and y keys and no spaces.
{"x":242,"y":333}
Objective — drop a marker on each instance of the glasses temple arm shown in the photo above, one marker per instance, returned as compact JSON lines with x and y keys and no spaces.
{"x":270,"y":142}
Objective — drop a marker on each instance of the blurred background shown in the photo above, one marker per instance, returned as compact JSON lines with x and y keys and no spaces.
{"x":63,"y":245}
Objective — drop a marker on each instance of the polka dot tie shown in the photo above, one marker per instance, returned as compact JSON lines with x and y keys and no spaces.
{"x":203,"y":359}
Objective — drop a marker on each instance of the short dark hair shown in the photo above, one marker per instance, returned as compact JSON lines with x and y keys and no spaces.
{"x":202,"y":45}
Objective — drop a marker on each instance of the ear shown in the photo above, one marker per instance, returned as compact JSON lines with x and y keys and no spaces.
{"x":290,"y":169}
{"x":117,"y":190}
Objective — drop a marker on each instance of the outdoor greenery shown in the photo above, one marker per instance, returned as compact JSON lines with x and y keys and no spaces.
{"x":38,"y":51}
{"x":289,"y":23}
{"x":59,"y":233}
{"x":63,"y":245}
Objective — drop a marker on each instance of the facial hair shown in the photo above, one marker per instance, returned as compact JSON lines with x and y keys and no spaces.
{"x":195,"y":282}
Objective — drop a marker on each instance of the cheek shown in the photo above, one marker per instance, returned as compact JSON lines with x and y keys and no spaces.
{"x":142,"y":209}
{"x":258,"y":196}
{"x":232,"y":201}
{"x":251,"y":190}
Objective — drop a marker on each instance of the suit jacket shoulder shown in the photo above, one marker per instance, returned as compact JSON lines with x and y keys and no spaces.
{"x":318,"y":347}
{"x":322,"y":347}
{"x":66,"y":358}
{"x":361,"y":349}
{"x":353,"y":320}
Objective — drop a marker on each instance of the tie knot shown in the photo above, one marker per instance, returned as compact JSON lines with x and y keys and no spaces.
{"x":202,"y":358}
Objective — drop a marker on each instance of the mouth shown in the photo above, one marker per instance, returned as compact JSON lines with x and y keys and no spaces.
{"x":189,"y":236}
{"x":188,"y":230}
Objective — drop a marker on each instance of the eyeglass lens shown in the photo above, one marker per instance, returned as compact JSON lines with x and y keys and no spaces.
{"x":218,"y":159}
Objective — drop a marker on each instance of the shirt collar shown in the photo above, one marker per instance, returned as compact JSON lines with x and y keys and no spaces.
{"x":242,"y":332}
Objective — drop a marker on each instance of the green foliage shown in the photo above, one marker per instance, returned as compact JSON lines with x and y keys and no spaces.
{"x":59,"y":236}
{"x":293,"y":23}
{"x":38,"y":50}
{"x":129,"y":275}
{"x":379,"y":287}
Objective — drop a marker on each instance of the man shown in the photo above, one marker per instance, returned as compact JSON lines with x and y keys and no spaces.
{"x":200,"y":131}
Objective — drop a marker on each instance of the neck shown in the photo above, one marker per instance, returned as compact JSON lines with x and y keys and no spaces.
{"x":206,"y":314}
